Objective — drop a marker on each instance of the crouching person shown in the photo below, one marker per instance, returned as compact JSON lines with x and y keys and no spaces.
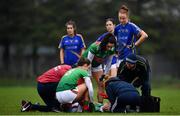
{"x":121,"y":94}
{"x":46,"y":87}
{"x":76,"y":86}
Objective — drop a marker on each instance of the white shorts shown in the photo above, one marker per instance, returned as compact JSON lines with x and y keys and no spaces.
{"x":66,"y":96}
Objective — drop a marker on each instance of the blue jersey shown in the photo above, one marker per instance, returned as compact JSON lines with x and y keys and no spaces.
{"x":72,"y":46}
{"x":126,"y":35}
{"x":114,"y":60}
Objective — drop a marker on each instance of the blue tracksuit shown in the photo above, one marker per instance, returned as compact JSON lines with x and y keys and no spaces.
{"x":120,"y":94}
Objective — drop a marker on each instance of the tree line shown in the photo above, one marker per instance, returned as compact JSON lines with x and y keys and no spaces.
{"x":42,"y":22}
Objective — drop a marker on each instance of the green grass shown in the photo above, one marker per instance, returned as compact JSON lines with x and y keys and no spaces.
{"x":11,"y":96}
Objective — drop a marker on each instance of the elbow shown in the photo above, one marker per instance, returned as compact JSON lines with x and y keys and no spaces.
{"x":145,"y":35}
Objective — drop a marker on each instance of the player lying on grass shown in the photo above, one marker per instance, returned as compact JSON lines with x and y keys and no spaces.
{"x":46,"y":87}
{"x":76,"y":87}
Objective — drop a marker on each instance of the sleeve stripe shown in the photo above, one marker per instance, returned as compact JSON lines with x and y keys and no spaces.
{"x":82,"y":39}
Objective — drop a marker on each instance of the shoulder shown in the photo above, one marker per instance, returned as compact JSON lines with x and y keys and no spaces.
{"x":118,"y":26}
{"x":100,"y":38}
{"x":132,"y":24}
{"x":95,"y":45}
{"x":142,"y":61}
{"x":79,"y":35}
{"x":82,"y":71}
{"x":64,"y":37}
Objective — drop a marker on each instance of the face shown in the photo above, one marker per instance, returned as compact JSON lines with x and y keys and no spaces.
{"x":130,"y":66}
{"x":110,"y":26}
{"x":123,"y":18}
{"x":70,"y":30}
{"x":109,"y":46}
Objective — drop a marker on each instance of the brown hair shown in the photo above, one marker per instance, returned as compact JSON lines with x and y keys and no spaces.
{"x":71,"y":22}
{"x":110,"y":19}
{"x":83,"y":61}
{"x":124,"y":9}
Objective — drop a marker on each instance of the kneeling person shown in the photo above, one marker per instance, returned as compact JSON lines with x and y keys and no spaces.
{"x":120,"y":94}
{"x":75,"y":84}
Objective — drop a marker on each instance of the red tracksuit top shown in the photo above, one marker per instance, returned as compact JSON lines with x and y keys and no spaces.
{"x":54,"y":74}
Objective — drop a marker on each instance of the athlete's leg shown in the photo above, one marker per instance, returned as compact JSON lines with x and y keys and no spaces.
{"x":96,"y":73}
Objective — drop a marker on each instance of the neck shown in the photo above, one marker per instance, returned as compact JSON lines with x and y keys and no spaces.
{"x":71,"y":35}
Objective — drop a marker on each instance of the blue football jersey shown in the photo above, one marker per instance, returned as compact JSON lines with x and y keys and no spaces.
{"x":126,"y":35}
{"x":72,"y":46}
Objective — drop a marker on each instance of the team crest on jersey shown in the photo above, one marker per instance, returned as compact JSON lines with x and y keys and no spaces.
{"x":76,"y":41}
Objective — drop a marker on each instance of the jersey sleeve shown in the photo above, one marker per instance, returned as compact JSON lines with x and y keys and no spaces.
{"x":61,"y":43}
{"x":93,"y":48}
{"x":84,"y":73}
{"x":136,"y":30}
{"x":82,"y":43}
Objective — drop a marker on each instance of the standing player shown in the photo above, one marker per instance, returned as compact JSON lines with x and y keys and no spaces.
{"x":110,"y":25}
{"x":76,"y":84}
{"x":71,"y":46}
{"x":99,"y":53}
{"x":46,"y":87}
{"x":126,"y":33}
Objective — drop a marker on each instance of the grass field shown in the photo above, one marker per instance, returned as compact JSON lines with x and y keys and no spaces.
{"x":11,"y":96}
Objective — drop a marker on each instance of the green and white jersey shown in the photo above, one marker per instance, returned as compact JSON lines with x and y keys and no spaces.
{"x":71,"y":79}
{"x":99,"y":55}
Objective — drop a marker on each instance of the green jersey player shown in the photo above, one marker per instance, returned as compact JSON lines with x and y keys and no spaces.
{"x":101,"y":53}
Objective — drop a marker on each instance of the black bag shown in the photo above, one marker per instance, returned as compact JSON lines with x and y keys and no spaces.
{"x":150,"y":104}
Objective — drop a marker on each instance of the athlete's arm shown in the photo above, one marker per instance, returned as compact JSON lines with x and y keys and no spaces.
{"x":82,"y":51}
{"x":90,"y":88}
{"x":143,"y":36}
{"x":61,"y":55}
{"x":108,"y":64}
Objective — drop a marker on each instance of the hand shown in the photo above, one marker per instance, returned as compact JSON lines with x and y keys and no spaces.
{"x":106,"y":107}
{"x":101,"y":78}
{"x":130,"y":46}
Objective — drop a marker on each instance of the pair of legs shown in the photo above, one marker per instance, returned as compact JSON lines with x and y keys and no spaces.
{"x":47,"y":92}
{"x":97,"y":72}
{"x":68,"y":97}
{"x":128,"y":98}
